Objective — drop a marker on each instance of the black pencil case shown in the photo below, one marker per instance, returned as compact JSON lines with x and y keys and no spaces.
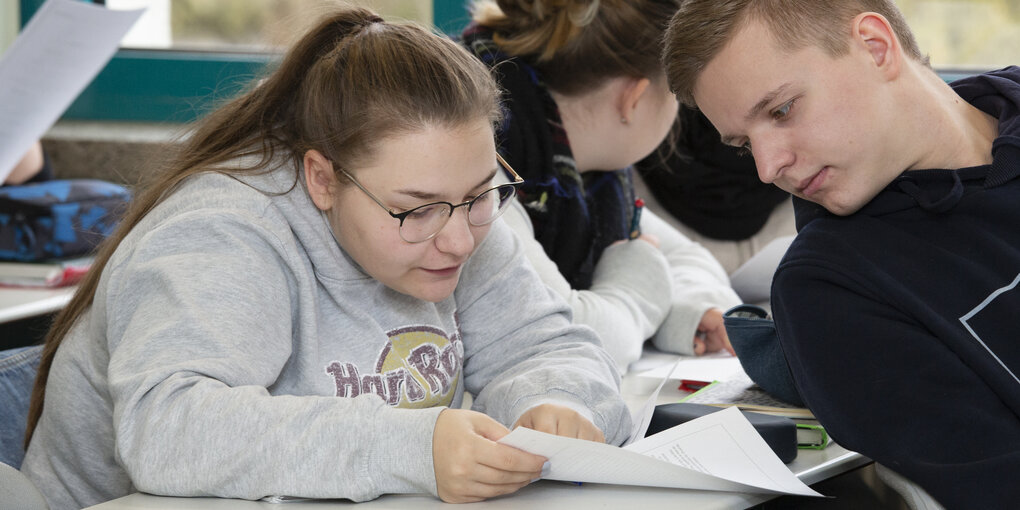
{"x":778,"y":431}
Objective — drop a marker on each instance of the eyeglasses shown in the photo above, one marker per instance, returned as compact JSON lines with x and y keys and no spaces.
{"x":424,"y":222}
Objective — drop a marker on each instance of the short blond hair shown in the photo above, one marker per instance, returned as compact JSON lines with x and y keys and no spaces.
{"x":701,"y":28}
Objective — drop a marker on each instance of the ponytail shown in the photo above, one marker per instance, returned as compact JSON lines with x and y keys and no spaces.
{"x":350,"y":81}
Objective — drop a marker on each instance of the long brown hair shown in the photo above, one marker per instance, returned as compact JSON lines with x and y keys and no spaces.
{"x":578,"y":44}
{"x":349,"y":82}
{"x":701,"y":28}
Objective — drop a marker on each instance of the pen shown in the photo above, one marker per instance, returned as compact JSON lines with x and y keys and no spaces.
{"x":635,"y":221}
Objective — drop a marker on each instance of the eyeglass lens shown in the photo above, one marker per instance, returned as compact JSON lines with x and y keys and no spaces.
{"x":426,"y":221}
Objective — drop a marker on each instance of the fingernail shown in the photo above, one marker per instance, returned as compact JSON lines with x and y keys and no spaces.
{"x":545,"y":468}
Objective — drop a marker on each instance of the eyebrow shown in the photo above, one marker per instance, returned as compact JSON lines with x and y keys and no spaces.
{"x":765,"y":101}
{"x":424,"y":195}
{"x":756,"y":110}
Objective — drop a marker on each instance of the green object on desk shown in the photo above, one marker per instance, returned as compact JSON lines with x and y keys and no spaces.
{"x":818,"y":439}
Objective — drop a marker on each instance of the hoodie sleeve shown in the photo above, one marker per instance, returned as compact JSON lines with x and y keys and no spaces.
{"x":885,"y":385}
{"x":630,"y":294}
{"x":521,"y":349}
{"x":699,"y":284}
{"x":201,"y":317}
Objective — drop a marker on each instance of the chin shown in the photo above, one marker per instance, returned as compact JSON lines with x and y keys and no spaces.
{"x":434,"y":292}
{"x":843,"y":209}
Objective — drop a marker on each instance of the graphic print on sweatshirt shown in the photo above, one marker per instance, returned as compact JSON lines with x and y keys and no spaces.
{"x":984,"y":320}
{"x":419,"y":367}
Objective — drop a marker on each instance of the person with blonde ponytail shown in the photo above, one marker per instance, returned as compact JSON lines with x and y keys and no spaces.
{"x":298,"y":303}
{"x":586,"y":98}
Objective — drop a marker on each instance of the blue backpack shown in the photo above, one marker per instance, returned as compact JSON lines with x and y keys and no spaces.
{"x":59,"y":218}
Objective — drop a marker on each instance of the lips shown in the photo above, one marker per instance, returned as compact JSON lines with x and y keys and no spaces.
{"x":443,"y":272}
{"x":811,"y":185}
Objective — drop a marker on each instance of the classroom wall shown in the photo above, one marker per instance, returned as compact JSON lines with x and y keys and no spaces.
{"x":8,"y":23}
{"x":121,"y":152}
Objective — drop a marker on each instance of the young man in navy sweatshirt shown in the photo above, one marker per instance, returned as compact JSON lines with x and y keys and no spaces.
{"x":897,"y":304}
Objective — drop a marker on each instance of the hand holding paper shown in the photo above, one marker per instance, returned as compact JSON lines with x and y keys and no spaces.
{"x":469,"y":466}
{"x":720,"y":451}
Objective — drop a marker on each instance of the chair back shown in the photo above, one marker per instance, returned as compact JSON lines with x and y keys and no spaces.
{"x":17,"y":492}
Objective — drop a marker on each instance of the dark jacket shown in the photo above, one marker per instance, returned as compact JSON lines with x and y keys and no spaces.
{"x":707,"y":185}
{"x":901,"y":322}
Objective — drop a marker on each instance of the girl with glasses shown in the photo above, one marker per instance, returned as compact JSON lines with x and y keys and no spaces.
{"x":298,"y":304}
{"x":587,"y":98}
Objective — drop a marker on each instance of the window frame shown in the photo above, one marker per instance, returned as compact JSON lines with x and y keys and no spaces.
{"x":181,"y":86}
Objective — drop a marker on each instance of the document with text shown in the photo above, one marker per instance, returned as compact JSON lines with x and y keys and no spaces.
{"x":720,"y":451}
{"x":58,"y":53}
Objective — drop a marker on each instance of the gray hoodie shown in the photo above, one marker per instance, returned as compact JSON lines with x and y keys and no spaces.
{"x":228,"y":322}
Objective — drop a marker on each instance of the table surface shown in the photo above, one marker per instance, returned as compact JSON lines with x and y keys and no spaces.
{"x":19,"y":303}
{"x":811,"y":466}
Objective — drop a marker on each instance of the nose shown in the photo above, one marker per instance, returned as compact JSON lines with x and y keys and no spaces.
{"x":456,"y":237}
{"x":771,"y":157}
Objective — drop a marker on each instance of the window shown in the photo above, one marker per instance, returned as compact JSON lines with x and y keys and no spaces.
{"x":966,"y":35}
{"x":243,"y":25}
{"x":185,"y":56}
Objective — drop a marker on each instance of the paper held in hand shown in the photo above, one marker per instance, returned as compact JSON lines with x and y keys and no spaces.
{"x":58,"y":53}
{"x":720,"y":451}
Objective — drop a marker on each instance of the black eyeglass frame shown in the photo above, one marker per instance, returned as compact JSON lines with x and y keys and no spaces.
{"x":403,"y":215}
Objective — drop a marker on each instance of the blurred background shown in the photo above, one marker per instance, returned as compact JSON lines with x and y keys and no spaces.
{"x":183,"y":55}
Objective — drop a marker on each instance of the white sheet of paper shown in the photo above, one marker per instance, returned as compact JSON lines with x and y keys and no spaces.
{"x":703,"y":368}
{"x":644,"y":417}
{"x":723,"y":444}
{"x":61,"y":49}
{"x":720,"y":451}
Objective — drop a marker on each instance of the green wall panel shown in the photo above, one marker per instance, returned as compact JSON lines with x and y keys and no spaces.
{"x":172,"y":86}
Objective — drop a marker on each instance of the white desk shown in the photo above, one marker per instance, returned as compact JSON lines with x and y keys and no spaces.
{"x":811,"y":466}
{"x":19,"y":303}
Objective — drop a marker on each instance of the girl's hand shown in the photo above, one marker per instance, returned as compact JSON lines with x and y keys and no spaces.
{"x":648,"y":238}
{"x":470,"y":465}
{"x":711,"y":335}
{"x":561,"y":421}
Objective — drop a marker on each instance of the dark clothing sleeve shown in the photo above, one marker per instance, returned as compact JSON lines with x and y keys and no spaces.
{"x":709,"y":186}
{"x":883,"y":385}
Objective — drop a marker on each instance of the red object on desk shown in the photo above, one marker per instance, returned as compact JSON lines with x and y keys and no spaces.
{"x":692,"y":385}
{"x":43,"y":274}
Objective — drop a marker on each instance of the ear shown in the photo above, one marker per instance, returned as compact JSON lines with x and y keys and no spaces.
{"x":320,"y":179}
{"x":631,"y":91}
{"x":873,"y":33}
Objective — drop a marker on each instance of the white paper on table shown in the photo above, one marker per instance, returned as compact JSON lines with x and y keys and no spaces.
{"x":709,"y":368}
{"x":719,"y":451}
{"x":644,"y":417}
{"x":727,"y":446}
{"x":61,"y":49}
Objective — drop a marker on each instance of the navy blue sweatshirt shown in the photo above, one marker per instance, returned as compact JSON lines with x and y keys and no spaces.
{"x":901,"y":322}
